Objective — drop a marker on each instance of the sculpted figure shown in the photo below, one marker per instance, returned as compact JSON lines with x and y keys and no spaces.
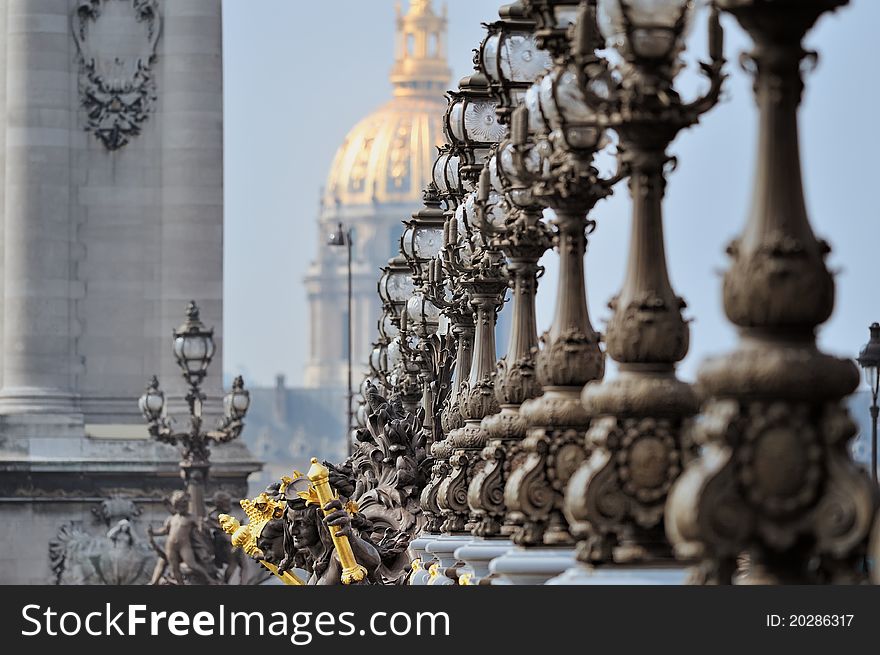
{"x":370,"y":500}
{"x":302,"y":539}
{"x":180,"y":532}
{"x":224,"y":554}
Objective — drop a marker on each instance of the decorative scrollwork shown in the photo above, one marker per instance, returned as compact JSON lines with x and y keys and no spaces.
{"x":534,"y":491}
{"x":117,"y":88}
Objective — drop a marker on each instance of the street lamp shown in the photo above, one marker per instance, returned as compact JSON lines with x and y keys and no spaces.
{"x":342,"y":237}
{"x":422,"y":240}
{"x":193,"y":347}
{"x":774,"y":428}
{"x":396,"y":287}
{"x":869,"y":359}
{"x":637,"y":449}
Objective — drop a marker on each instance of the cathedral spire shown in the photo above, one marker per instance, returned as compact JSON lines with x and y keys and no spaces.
{"x":420,"y":66}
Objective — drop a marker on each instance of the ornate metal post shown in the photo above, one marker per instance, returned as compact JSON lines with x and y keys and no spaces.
{"x":485,"y":286}
{"x":462,"y":329}
{"x":616,"y":498}
{"x":515,"y":380}
{"x":564,"y":178}
{"x":472,"y":129}
{"x":775,"y":482}
{"x":444,"y":290}
{"x":396,"y":287}
{"x":421,"y":244}
{"x":508,"y":213}
{"x":193,"y":349}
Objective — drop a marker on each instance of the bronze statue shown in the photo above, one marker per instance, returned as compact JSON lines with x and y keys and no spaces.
{"x":224,"y":555}
{"x":346,"y":523}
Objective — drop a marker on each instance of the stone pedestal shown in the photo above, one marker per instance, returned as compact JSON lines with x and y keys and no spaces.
{"x":531,"y":566}
{"x":477,"y":555}
{"x":581,"y":574}
{"x":443,"y":549}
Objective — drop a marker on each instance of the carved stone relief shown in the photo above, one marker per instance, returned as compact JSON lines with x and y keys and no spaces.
{"x":116,"y":43}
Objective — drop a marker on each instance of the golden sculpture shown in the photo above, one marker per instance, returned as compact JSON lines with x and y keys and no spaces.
{"x":259,"y":511}
{"x":263,"y":508}
{"x":320,"y":489}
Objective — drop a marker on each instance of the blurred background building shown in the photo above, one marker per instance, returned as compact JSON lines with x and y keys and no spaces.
{"x":111,"y":219}
{"x":375,"y":181}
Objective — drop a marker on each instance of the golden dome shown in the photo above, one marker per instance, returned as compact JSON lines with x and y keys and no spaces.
{"x":387,"y":157}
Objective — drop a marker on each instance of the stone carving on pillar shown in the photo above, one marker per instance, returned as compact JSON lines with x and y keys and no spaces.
{"x":387,"y":470}
{"x":115,"y":556}
{"x":775,"y":490}
{"x":116,"y":84}
{"x":616,"y":499}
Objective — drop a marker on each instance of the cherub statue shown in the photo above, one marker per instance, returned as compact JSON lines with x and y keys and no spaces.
{"x":180,"y":531}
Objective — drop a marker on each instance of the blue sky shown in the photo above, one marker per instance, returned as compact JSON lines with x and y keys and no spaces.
{"x":298,"y":75}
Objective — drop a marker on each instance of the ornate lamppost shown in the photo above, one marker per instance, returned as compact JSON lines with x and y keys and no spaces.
{"x":187,"y":531}
{"x":193,"y":349}
{"x":342,"y":238}
{"x":421,"y":244}
{"x":555,"y":138}
{"x":443,"y":289}
{"x":510,"y":219}
{"x":775,"y":485}
{"x":869,"y":360}
{"x":395,"y":289}
{"x":616,"y":498}
{"x":471,"y":127}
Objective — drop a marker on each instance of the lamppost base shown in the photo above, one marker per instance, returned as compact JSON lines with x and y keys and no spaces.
{"x":443,"y":549}
{"x":479,"y":553}
{"x":417,"y":546}
{"x":531,"y":566}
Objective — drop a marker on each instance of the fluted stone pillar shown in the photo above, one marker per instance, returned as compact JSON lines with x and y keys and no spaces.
{"x":39,"y":329}
{"x":192,"y":176}
{"x":112,"y":220}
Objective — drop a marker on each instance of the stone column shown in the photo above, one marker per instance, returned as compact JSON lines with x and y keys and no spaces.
{"x":191,"y":97}
{"x":3,"y":40}
{"x":38,"y":324}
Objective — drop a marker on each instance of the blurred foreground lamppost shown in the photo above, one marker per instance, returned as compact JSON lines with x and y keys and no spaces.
{"x":615,"y":500}
{"x":774,"y":497}
{"x":869,"y":359}
{"x":342,"y":237}
{"x":193,"y":349}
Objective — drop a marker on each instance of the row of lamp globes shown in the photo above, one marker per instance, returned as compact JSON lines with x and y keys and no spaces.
{"x":509,"y":62}
{"x":472,"y":128}
{"x":557,"y":116}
